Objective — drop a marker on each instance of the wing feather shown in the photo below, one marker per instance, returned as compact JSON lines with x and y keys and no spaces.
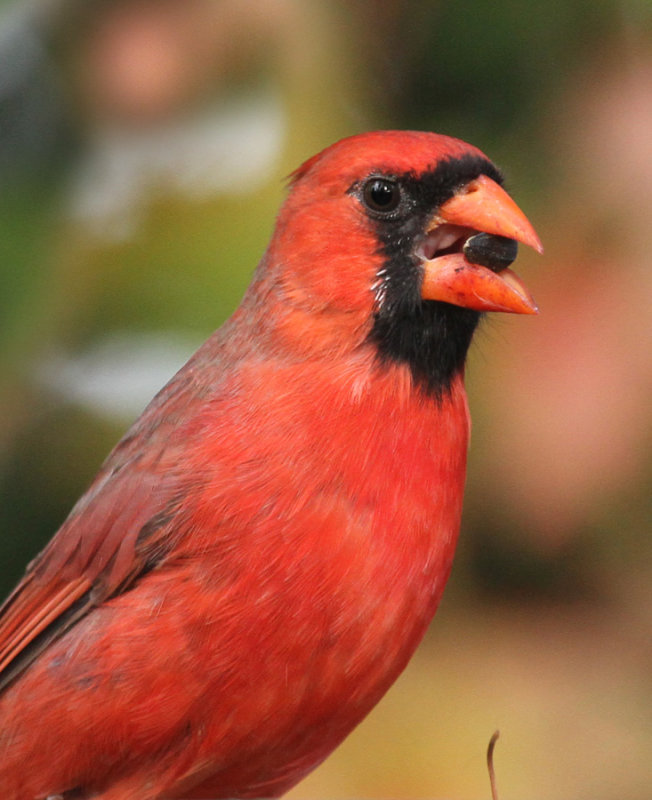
{"x":117,"y":530}
{"x":122,"y":527}
{"x":30,"y":610}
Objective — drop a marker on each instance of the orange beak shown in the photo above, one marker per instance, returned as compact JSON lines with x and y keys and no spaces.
{"x":479,"y":206}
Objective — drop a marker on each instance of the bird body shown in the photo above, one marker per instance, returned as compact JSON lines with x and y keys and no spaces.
{"x":260,"y":555}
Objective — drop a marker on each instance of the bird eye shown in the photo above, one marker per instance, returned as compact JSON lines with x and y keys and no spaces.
{"x":381,"y":195}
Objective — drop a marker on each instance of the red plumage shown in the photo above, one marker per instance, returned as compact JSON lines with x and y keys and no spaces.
{"x":260,"y":555}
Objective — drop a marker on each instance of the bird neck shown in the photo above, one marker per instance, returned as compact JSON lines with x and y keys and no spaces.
{"x":432,"y":341}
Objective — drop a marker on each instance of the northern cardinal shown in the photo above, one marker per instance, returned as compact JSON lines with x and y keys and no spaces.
{"x":260,"y":555}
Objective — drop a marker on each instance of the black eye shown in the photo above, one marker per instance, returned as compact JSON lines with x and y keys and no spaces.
{"x":381,"y":195}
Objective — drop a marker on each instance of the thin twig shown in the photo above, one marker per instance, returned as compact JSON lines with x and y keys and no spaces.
{"x":490,"y":765}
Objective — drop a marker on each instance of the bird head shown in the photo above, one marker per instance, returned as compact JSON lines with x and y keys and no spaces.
{"x":400,"y":241}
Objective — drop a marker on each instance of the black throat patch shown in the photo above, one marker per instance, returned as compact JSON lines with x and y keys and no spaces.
{"x":431,"y":337}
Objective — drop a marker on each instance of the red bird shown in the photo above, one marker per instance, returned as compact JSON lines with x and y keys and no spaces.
{"x":260,"y":555}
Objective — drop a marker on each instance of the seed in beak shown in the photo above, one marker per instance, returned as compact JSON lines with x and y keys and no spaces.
{"x":491,"y":251}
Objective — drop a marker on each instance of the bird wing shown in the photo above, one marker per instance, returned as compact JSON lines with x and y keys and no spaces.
{"x":117,"y":531}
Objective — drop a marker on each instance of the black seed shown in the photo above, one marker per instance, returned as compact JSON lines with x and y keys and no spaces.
{"x":487,"y":250}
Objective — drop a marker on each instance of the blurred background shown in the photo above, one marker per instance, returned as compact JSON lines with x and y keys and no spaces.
{"x":143,"y":149}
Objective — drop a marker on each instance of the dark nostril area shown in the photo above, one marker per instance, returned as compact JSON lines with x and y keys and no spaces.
{"x":494,"y":252}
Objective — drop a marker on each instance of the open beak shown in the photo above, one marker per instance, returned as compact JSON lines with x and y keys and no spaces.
{"x":458,"y":271}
